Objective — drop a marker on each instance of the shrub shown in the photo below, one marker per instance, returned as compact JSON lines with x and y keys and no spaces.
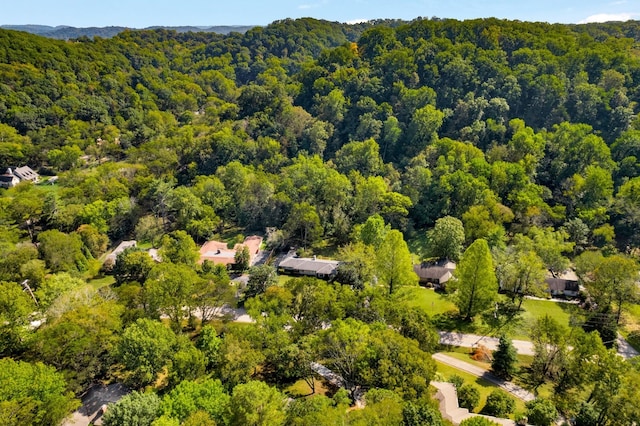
{"x":499,"y":404}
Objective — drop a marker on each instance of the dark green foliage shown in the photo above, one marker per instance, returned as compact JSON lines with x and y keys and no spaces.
{"x":478,"y":421}
{"x":261,"y":277}
{"x":541,"y":412}
{"x":499,"y":404}
{"x":468,"y":396}
{"x":420,"y":413}
{"x":505,"y":359}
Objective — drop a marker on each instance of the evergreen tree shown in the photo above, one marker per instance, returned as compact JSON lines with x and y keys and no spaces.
{"x":504,"y":359}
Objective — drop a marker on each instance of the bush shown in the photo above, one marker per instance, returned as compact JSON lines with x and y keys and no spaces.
{"x":478,"y":421}
{"x":499,"y":404}
{"x":541,"y":412}
{"x":468,"y":397}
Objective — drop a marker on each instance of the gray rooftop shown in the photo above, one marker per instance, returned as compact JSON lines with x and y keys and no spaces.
{"x":305,"y":264}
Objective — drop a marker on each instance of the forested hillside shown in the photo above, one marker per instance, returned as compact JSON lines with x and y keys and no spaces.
{"x":333,"y":137}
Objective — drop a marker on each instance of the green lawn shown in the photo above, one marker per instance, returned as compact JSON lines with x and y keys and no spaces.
{"x":432,"y":302}
{"x":485,"y":387}
{"x":101,"y":282}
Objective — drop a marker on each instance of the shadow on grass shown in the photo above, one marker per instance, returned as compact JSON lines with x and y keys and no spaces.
{"x":452,"y":321}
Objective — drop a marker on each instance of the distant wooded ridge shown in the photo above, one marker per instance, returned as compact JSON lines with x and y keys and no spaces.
{"x":64,"y":32}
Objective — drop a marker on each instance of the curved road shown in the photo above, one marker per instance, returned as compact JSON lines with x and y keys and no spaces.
{"x":510,"y":387}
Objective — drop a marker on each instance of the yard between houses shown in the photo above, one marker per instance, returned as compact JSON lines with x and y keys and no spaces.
{"x":442,"y":310}
{"x":484,"y":386}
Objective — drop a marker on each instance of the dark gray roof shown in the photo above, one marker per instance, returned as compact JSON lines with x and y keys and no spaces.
{"x":560,"y":285}
{"x":304,"y":264}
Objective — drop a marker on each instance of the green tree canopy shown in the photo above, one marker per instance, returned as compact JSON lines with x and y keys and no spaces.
{"x":477,"y":286}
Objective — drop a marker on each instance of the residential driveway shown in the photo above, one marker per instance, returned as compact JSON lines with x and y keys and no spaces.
{"x":625,"y":349}
{"x":453,"y":338}
{"x":90,"y":412}
{"x":510,"y":387}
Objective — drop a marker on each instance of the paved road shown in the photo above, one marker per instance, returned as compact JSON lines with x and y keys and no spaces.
{"x":523,"y":347}
{"x":510,"y":387}
{"x":472,"y":340}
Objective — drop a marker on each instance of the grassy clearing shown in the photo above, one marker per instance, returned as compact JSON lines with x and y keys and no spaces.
{"x":430,"y":301}
{"x":485,"y":387}
{"x":301,"y":389}
{"x":97,"y":283}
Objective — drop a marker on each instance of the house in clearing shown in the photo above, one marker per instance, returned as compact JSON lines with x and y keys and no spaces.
{"x":435,"y":274}
{"x":26,"y":173}
{"x":8,"y":180}
{"x":565,"y":284}
{"x":313,"y":267}
{"x":219,"y":253}
{"x":121,"y":247}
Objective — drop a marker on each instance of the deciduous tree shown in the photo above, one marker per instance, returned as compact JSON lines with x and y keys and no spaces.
{"x":477,"y":286}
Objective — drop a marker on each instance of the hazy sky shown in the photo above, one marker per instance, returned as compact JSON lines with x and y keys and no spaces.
{"x":144,"y":13}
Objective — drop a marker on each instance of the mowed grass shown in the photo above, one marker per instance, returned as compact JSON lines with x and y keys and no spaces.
{"x":534,"y":309}
{"x":430,"y":301}
{"x":485,"y":387}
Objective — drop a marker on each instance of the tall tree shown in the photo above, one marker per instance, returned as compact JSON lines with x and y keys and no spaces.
{"x":394,"y":267}
{"x":257,"y":404}
{"x":477,"y":286}
{"x":505,"y":359}
{"x":36,"y":386}
{"x":446,"y":238}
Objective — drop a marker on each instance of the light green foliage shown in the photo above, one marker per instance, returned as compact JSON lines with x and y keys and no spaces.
{"x":55,"y":286}
{"x":363,"y":157}
{"x":317,"y":410}
{"x":446,"y":238}
{"x":80,"y":342}
{"x":239,"y":359}
{"x":169,"y":289}
{"x":93,"y":240}
{"x":393,"y":262}
{"x":373,"y":231}
{"x":477,"y":286}
{"x":383,"y":408}
{"x":357,"y":265}
{"x":189,"y":397}
{"x":144,"y":349}
{"x":550,"y":345}
{"x":187,"y":363}
{"x":257,"y":404}
{"x":15,"y":307}
{"x":179,"y":247}
{"x":132,"y":265}
{"x":520,"y":272}
{"x":38,"y":388}
{"x":477,"y":421}
{"x":135,"y":409}
{"x":62,"y":252}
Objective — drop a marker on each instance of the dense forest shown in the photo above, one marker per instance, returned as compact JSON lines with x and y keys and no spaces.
{"x":510,"y":145}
